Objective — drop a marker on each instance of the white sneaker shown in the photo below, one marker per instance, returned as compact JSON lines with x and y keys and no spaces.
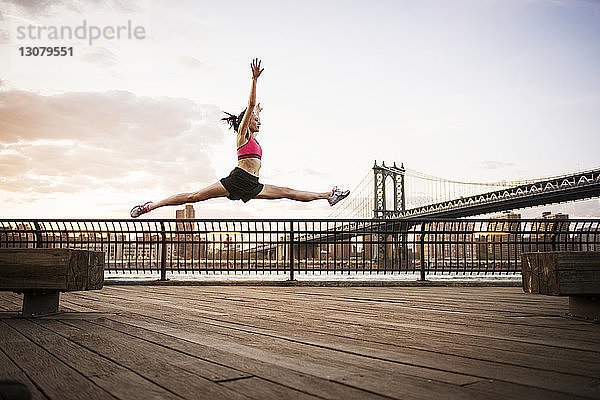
{"x":139,"y":210}
{"x":337,"y":195}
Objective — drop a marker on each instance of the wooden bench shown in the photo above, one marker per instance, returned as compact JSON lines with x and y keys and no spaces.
{"x":565,"y":273}
{"x":41,"y":274}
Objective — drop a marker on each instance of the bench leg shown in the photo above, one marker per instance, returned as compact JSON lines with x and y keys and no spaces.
{"x":40,"y":303}
{"x":587,"y":307}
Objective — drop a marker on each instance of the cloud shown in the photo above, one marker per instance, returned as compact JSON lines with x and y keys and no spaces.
{"x":100,"y":56}
{"x":28,"y":5}
{"x":496,"y":164}
{"x":35,"y":7}
{"x":115,"y":141}
{"x":4,"y":36}
{"x":191,"y":62}
{"x":313,"y":172}
{"x":589,"y":4}
{"x":49,"y":7}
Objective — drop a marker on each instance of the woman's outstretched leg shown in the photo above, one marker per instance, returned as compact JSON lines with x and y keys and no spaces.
{"x":210,"y":192}
{"x":272,"y":192}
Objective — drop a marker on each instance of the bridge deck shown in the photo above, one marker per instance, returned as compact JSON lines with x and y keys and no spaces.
{"x":237,"y":342}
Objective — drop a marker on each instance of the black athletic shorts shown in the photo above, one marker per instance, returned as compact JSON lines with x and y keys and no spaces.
{"x":241,"y":185}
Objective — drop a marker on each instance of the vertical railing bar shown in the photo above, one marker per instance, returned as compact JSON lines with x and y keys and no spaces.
{"x":422,"y":250}
{"x":135,"y":229}
{"x":443,"y":246}
{"x":213,"y":246}
{"x":292,"y":250}
{"x":38,"y":235}
{"x":263,"y":247}
{"x":163,"y":252}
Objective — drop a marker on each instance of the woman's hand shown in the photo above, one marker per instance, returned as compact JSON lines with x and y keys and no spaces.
{"x":243,"y":129}
{"x":256,"y":69}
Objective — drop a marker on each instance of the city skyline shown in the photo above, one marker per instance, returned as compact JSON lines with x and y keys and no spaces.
{"x":495,"y":243}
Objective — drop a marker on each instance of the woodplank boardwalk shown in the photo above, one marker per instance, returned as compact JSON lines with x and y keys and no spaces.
{"x":270,"y":342}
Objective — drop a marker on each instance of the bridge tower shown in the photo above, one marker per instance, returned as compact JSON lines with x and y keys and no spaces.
{"x":381,"y":173}
{"x":395,"y":248}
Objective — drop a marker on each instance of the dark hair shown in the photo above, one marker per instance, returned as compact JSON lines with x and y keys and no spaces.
{"x":234,"y":121}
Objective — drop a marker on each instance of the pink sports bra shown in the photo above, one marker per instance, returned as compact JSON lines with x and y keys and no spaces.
{"x":249,"y":150}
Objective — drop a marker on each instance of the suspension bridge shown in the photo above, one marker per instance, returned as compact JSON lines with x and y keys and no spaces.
{"x":396,"y":192}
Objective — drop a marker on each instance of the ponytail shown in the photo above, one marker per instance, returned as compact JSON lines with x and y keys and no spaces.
{"x":234,"y":121}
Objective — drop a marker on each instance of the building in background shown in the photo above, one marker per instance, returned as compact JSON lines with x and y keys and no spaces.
{"x":187,"y":213}
{"x":190,"y":212}
{"x":548,"y":233}
{"x":504,"y":237}
{"x":188,"y":245}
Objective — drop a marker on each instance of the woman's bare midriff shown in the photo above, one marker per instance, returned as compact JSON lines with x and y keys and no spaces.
{"x":250,"y":165}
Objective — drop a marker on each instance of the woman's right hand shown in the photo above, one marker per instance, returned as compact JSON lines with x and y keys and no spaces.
{"x":256,"y":69}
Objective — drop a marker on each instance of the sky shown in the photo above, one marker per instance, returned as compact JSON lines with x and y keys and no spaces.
{"x":472,"y":90}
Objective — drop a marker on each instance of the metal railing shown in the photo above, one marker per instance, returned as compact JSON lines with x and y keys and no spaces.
{"x":308,"y":247}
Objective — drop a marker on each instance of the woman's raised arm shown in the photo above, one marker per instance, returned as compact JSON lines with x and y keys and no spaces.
{"x":256,"y":71}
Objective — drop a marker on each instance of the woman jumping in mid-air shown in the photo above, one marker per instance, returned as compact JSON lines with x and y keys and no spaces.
{"x":242,"y":183}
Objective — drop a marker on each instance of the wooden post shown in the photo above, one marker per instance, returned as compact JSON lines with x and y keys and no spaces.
{"x":40,"y":303}
{"x":570,"y":273}
{"x":561,"y":272}
{"x":51,"y":269}
{"x":41,"y":274}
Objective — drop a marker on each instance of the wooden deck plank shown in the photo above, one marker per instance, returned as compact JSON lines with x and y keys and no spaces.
{"x":292,"y":353}
{"x":462,"y":324}
{"x":121,"y":382}
{"x":444,"y":305}
{"x":390,"y":384}
{"x":160,"y":351}
{"x":514,"y":391}
{"x":515,"y":326}
{"x":387,"y":323}
{"x":9,"y":371}
{"x":386,"y":316}
{"x":184,"y":341}
{"x":170,"y":370}
{"x":11,"y":301}
{"x":450,"y":345}
{"x":258,"y":388}
{"x":448,"y":301}
{"x":56,"y":379}
{"x":511,"y":331}
{"x":448,"y":305}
